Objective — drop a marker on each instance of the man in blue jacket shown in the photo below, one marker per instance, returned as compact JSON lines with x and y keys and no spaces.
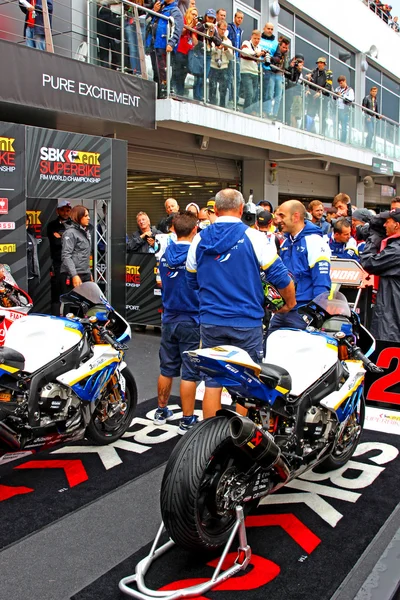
{"x":34,"y":23}
{"x":341,"y":243}
{"x":224,"y":263}
{"x":180,"y":326}
{"x":305,"y":253}
{"x":269,"y":46}
{"x":235,"y":34}
{"x":159,"y":42}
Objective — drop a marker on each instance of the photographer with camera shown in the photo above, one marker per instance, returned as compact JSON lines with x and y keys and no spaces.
{"x":317,"y":104}
{"x":346,"y":97}
{"x":144,"y":240}
{"x":208,"y":26}
{"x":268,"y":45}
{"x":220,"y":60}
{"x":293,"y":82}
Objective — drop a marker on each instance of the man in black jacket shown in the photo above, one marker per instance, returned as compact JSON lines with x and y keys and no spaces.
{"x":371,"y":104}
{"x":381,"y":257}
{"x":55,"y":230}
{"x":144,"y":240}
{"x":318,"y":100}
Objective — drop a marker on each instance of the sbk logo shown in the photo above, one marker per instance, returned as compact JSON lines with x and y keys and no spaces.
{"x":58,"y":154}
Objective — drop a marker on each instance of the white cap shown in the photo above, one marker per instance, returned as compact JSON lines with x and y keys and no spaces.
{"x":62,"y":202}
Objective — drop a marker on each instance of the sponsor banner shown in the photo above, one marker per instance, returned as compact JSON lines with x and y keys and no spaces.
{"x":347,"y":272}
{"x":384,"y":388}
{"x":143,"y":305}
{"x":62,"y":85}
{"x":12,"y":200}
{"x":380,"y":419}
{"x":67,"y":165}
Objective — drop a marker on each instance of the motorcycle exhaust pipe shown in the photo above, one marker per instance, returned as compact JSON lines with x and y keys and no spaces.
{"x":258,"y":445}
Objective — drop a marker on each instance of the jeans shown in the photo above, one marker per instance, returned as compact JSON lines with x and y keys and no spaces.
{"x":369,"y":126}
{"x":250,"y":88}
{"x":267,"y":75}
{"x":218,"y":78}
{"x":344,"y":122}
{"x":198,"y":86}
{"x":159,"y":63}
{"x":40,"y":42}
{"x":131,"y":39}
{"x":274,"y":93}
{"x":29,"y":37}
{"x":234,"y":66}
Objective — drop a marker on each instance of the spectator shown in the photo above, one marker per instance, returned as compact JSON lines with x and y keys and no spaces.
{"x":210,"y":208}
{"x":395,"y":203}
{"x":249,"y":72}
{"x":263,"y":223}
{"x":221,"y":15}
{"x":76,"y":248}
{"x":330,"y":215}
{"x":203,"y":219}
{"x":235,"y":34}
{"x":180,"y":58}
{"x":132,"y":32}
{"x":144,"y":240}
{"x":109,"y":19}
{"x":159,"y":45}
{"x":232,"y":307}
{"x":342,"y":203}
{"x":341,"y":244}
{"x":306,"y":255}
{"x":34,"y":24}
{"x":370,"y":103}
{"x":171,"y":206}
{"x":33,"y":269}
{"x":269,"y":46}
{"x":193,"y":208}
{"x":316,"y":96}
{"x":395,"y":24}
{"x":209,"y":27}
{"x":316,"y":210}
{"x":346,"y":97}
{"x":55,"y":230}
{"x":293,"y":95}
{"x":265,"y":205}
{"x":361,"y":219}
{"x":221,"y":56}
{"x":277,"y":80}
{"x":180,"y":326}
{"x":381,"y":257}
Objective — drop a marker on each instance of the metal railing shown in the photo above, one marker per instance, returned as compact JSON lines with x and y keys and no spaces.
{"x":117,"y":37}
{"x":382,"y":14}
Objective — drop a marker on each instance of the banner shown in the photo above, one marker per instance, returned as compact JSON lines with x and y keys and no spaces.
{"x":67,"y":165}
{"x":143,"y":295}
{"x":384,"y":388}
{"x":12,"y":200}
{"x":63,"y":85}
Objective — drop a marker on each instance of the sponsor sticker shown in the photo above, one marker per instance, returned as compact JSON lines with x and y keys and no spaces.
{"x":8,"y":247}
{"x":3,"y":206}
{"x":7,"y":225}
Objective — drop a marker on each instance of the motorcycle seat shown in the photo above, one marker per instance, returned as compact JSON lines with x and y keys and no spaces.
{"x":275,"y":376}
{"x":11,"y":358}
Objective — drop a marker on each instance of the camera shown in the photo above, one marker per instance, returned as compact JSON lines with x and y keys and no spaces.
{"x":219,"y":62}
{"x":267,"y":58}
{"x":296,"y":63}
{"x":200,"y":19}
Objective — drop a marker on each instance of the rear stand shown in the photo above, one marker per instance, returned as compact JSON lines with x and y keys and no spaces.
{"x":144,"y":593}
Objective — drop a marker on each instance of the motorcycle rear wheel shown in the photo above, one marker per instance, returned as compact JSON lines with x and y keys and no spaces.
{"x":193,"y":482}
{"x":105,"y":432}
{"x":343,"y":450}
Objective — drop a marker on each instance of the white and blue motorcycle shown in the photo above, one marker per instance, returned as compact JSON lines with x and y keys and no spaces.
{"x":62,"y":379}
{"x":304,"y":408}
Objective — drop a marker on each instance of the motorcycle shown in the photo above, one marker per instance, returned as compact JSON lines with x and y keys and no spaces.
{"x":305,"y":408}
{"x":14,"y":302}
{"x":62,"y":379}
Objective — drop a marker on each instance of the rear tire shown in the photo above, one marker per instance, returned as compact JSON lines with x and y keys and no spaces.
{"x":191,"y":487}
{"x":110,"y":430}
{"x":344,"y":449}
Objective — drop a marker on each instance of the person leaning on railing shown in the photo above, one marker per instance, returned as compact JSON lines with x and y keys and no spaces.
{"x":249,"y":72}
{"x":180,"y":58}
{"x":162,"y":39}
{"x":207,"y":25}
{"x":220,"y":58}
{"x":370,"y":103}
{"x":34,"y":25}
{"x":293,"y":92}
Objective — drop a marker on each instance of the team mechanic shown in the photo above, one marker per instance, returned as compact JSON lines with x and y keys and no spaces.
{"x":305,"y":252}
{"x":223,"y":263}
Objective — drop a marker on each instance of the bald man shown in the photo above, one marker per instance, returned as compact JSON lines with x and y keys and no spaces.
{"x":305,"y":253}
{"x":171,"y":206}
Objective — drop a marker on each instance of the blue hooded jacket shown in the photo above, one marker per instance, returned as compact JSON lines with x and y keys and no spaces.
{"x":224,"y":263}
{"x":159,"y":27}
{"x":179,"y":301}
{"x":307,"y":257}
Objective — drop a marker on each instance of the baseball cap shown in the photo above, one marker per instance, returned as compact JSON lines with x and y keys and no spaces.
{"x":211,"y":13}
{"x":264,"y":217}
{"x":362,"y":214}
{"x":193,"y":204}
{"x":62,"y":203}
{"x":321,"y":59}
{"x":262,"y":202}
{"x":299,"y":57}
{"x":391,"y":214}
{"x":211,"y":205}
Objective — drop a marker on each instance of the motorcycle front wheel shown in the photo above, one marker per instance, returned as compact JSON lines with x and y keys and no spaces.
{"x":345,"y":445}
{"x":103,"y":429}
{"x":195,"y":480}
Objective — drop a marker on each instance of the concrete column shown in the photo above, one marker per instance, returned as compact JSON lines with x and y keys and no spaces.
{"x":360,"y":198}
{"x":348,"y":184}
{"x":256,"y":176}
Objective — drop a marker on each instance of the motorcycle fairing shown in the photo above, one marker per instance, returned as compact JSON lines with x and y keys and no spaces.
{"x":342,"y":401}
{"x":234,"y":369}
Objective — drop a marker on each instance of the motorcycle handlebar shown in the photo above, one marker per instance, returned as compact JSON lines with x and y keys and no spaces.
{"x":369,"y":365}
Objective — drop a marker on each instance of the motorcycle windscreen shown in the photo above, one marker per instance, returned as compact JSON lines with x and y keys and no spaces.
{"x":88,"y":293}
{"x":333,"y":303}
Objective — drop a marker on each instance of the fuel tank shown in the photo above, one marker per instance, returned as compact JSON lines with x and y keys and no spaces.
{"x":41,"y":338}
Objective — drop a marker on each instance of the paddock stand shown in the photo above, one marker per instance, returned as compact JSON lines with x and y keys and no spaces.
{"x":144,"y":593}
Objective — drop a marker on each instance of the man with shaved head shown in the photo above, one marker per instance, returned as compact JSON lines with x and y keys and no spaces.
{"x":305,"y":252}
{"x":171,"y":206}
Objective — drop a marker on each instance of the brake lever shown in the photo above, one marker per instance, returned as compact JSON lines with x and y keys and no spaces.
{"x":373,"y":368}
